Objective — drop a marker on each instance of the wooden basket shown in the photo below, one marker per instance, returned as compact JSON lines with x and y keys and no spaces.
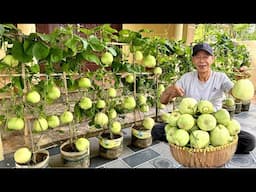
{"x":202,"y":158}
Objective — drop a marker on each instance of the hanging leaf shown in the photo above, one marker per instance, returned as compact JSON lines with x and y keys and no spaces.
{"x":95,"y":43}
{"x":40,"y":50}
{"x":112,"y":51}
{"x":91,"y":57}
{"x":19,"y":54}
{"x":56,"y":55}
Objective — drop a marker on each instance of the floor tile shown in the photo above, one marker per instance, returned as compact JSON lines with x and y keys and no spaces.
{"x":140,"y":157}
{"x":241,"y":161}
{"x":98,"y":161}
{"x":116,"y":164}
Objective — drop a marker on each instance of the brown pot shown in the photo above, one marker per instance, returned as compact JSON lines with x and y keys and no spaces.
{"x":141,"y":137}
{"x":73,"y":158}
{"x":110,"y":148}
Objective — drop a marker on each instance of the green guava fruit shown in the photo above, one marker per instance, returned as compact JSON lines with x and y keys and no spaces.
{"x":199,"y":139}
{"x":22,"y":155}
{"x":243,"y":90}
{"x":186,"y":121}
{"x":33,"y":97}
{"x":82,"y":144}
{"x":101,"y":119}
{"x":148,"y":123}
{"x":206,"y":122}
{"x":15,"y":123}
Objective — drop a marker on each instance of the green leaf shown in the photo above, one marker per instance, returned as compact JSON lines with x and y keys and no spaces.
{"x":34,"y":69}
{"x":56,"y":55}
{"x":72,"y":44}
{"x":112,"y":51}
{"x":95,"y":43}
{"x":28,"y":47}
{"x":40,"y":50}
{"x":91,"y":57}
{"x":19,"y":54}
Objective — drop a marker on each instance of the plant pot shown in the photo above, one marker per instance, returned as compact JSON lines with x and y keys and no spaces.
{"x":246,"y":105}
{"x":238,"y":107}
{"x":110,"y":148}
{"x":73,"y":158}
{"x":141,"y":137}
{"x":42,"y":161}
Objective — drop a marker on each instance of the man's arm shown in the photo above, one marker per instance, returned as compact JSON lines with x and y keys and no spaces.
{"x":171,"y":92}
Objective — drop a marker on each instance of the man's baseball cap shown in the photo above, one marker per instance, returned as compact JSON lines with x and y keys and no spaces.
{"x":202,"y":47}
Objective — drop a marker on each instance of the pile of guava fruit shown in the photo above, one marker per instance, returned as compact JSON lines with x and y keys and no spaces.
{"x":195,"y":124}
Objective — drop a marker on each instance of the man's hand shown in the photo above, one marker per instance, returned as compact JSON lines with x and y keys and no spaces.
{"x":171,"y":92}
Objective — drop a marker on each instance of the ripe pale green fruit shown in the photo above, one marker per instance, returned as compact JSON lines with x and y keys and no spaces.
{"x":220,"y":136}
{"x":107,"y":58}
{"x":15,"y":123}
{"x":112,"y":114}
{"x":84,"y":82}
{"x":100,"y":104}
{"x":169,"y":130}
{"x":233,"y":127}
{"x":129,"y":103}
{"x":10,"y":61}
{"x":115,"y":127}
{"x":53,"y":93}
{"x":33,"y":97}
{"x":229,"y":102}
{"x":138,"y":56}
{"x":129,"y":78}
{"x":82,"y":144}
{"x":53,"y":121}
{"x":173,"y":118}
{"x":206,"y":122}
{"x":165,"y":116}
{"x":112,"y":92}
{"x":144,"y":108}
{"x":101,"y":119}
{"x":161,"y":105}
{"x":205,"y":107}
{"x":85,"y":103}
{"x":185,"y":121}
{"x":66,"y":117}
{"x":160,"y":89}
{"x":149,"y":61}
{"x":222,"y":116}
{"x":199,"y":139}
{"x":40,"y":124}
{"x":180,"y":137}
{"x":22,"y":155}
{"x":142,"y":99}
{"x":158,"y":71}
{"x":148,"y":123}
{"x":188,"y":105}
{"x":243,"y":90}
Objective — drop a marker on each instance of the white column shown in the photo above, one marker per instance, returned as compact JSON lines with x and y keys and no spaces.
{"x":27,"y":28}
{"x":178,"y":31}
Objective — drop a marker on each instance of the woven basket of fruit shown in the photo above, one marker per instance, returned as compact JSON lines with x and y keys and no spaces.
{"x":203,"y":158}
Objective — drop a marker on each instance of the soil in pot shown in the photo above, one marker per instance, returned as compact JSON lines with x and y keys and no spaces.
{"x":110,"y":148}
{"x":73,"y":158}
{"x":141,"y":137}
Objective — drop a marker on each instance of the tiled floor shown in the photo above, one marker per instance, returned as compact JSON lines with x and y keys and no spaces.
{"x":157,"y":155}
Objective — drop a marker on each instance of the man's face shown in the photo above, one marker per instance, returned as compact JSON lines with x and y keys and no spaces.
{"x":202,"y":61}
